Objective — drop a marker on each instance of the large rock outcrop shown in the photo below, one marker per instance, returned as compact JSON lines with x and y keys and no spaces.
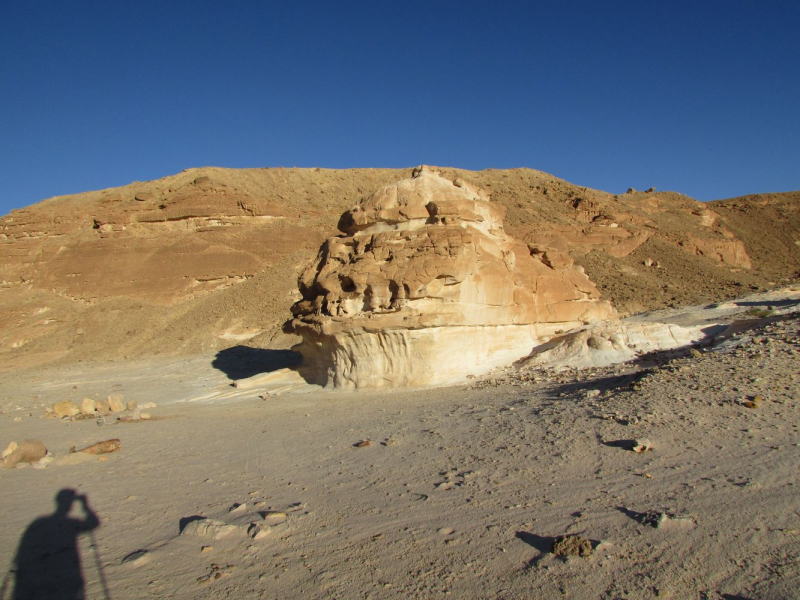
{"x":425,"y":287}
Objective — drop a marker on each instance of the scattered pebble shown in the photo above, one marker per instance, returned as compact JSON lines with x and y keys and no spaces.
{"x":66,"y":408}
{"x":27,"y":452}
{"x":104,"y":447}
{"x":210,"y":528}
{"x":215,"y":572}
{"x":115,"y":403}
{"x":572,"y":545}
{"x":137,"y":558}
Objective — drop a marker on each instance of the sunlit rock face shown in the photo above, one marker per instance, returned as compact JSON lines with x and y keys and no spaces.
{"x":424,"y":287}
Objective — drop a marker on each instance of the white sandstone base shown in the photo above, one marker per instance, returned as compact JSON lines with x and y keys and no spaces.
{"x":611,"y":343}
{"x":416,"y":357}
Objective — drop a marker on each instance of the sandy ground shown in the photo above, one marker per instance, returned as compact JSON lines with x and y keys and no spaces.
{"x":460,"y":491}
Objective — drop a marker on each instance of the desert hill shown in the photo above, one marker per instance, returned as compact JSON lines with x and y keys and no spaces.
{"x":209,"y":258}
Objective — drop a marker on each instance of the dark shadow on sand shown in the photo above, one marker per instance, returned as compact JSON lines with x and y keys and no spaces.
{"x":241,"y":362}
{"x":48,"y":561}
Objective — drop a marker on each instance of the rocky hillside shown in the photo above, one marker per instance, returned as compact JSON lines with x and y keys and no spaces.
{"x":209,"y":258}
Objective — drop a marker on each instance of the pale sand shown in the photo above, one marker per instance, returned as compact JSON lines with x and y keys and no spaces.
{"x":459,"y":492}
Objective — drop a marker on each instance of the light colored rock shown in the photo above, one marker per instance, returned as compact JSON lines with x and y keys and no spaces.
{"x":104,"y":447}
{"x":102,"y":406}
{"x":131,"y":405}
{"x":88,"y":406}
{"x":146,"y":405}
{"x":425,"y":288}
{"x":9,"y":449}
{"x":115,"y":403}
{"x":257,"y":532}
{"x":29,"y":451}
{"x":137,"y":559}
{"x":66,"y":408}
{"x":44,"y":461}
{"x":210,"y":528}
{"x":610,"y":343}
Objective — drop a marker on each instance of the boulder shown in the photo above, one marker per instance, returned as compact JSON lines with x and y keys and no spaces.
{"x":66,"y":408}
{"x":29,"y":451}
{"x":211,"y":529}
{"x":115,"y":403}
{"x":425,"y":287}
{"x":88,"y":406}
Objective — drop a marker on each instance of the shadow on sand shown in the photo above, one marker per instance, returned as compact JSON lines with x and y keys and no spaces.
{"x":241,"y":362}
{"x":48,"y":561}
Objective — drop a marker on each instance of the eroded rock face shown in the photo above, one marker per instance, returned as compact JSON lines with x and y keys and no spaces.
{"x":425,"y":287}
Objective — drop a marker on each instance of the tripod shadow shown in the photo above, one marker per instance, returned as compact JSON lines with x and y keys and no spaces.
{"x":48,"y":562}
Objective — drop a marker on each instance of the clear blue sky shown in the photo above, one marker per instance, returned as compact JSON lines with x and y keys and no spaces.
{"x":697,"y":97}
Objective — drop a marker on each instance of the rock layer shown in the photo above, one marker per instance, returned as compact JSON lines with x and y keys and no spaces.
{"x":425,"y":287}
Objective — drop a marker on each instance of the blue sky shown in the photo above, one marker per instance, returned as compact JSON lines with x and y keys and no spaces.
{"x":697,"y":97}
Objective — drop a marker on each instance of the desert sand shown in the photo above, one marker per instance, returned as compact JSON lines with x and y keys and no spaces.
{"x":652,"y":454}
{"x":459,"y":491}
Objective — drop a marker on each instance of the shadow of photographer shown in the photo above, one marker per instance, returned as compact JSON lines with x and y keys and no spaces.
{"x":48,"y":563}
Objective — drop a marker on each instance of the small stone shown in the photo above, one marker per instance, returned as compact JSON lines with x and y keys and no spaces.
{"x":145,"y":416}
{"x":205,"y":549}
{"x":695,"y":353}
{"x":662,"y":519}
{"x":11,"y":447}
{"x":115,"y":403}
{"x":363,"y":444}
{"x":29,"y":451}
{"x":210,"y":528}
{"x":88,"y":406}
{"x":137,"y":558}
{"x":44,"y":461}
{"x":592,"y":393}
{"x":145,"y":405}
{"x":237,"y":508}
{"x":572,"y":545}
{"x":66,"y":408}
{"x":257,"y":532}
{"x":131,"y":405}
{"x":103,"y":447}
{"x":274,"y":517}
{"x":750,"y":404}
{"x":642,"y":445}
{"x":102,"y":407}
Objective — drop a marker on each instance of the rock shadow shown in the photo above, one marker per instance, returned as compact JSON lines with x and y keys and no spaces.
{"x":639,"y":517}
{"x":241,"y":362}
{"x":624,"y":444}
{"x":186,"y":520}
{"x":542,"y":543}
{"x":767,"y":303}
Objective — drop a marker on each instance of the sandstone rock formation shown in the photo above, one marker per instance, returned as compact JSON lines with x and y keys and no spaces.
{"x":425,"y":287}
{"x":206,"y":259}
